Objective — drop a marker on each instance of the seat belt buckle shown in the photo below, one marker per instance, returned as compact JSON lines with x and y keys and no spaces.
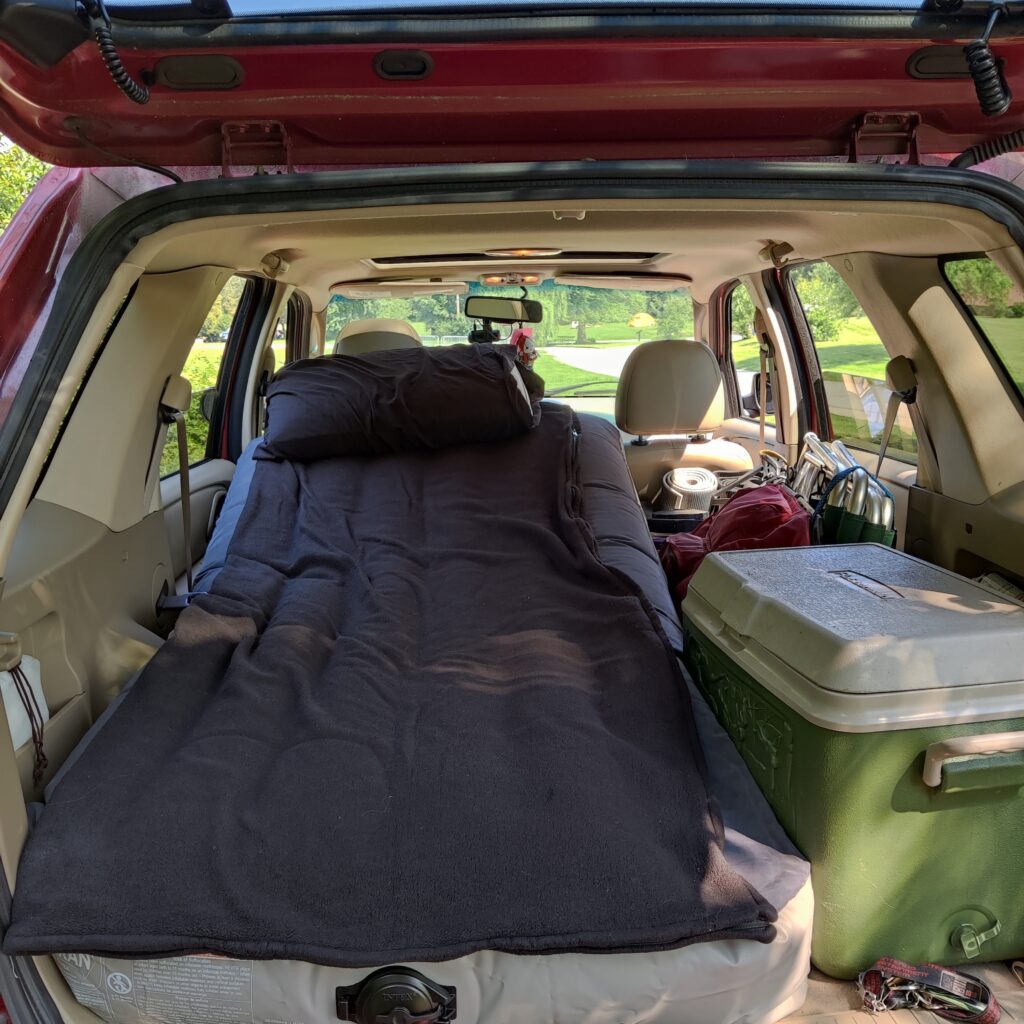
{"x":173,"y":602}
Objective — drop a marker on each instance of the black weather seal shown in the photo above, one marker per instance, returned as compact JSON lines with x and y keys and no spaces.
{"x":107,"y":246}
{"x":139,"y":29}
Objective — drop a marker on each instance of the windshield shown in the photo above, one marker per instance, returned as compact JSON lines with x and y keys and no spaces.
{"x":583,"y":340}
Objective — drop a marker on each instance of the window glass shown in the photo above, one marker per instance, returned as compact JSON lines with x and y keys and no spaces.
{"x":202,"y":369}
{"x":279,"y":339}
{"x":746,"y":355}
{"x":583,"y":340}
{"x":998,"y":307}
{"x":852,"y":360}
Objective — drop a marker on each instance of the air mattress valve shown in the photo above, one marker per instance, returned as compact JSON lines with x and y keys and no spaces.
{"x":396,"y":995}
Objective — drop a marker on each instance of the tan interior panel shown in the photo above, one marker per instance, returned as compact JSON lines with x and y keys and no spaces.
{"x":708,"y":241}
{"x":974,"y":423}
{"x":101,"y":469}
{"x":968,"y":539}
{"x":82,"y":600}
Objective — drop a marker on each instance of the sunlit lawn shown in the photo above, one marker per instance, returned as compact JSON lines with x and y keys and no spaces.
{"x":557,"y":374}
{"x":856,"y":348}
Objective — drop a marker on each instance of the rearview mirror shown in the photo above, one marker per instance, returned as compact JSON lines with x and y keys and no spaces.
{"x":207,"y":403}
{"x":503,"y":311}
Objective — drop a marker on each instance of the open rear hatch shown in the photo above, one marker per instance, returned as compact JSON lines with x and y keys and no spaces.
{"x":304,"y":84}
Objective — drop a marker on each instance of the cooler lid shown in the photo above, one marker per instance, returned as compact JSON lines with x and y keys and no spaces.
{"x":862,"y":634}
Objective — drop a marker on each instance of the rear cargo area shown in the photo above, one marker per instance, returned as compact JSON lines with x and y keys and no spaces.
{"x":600,"y":672}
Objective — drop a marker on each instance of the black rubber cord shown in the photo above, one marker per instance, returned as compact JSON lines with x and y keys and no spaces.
{"x":993,"y":93}
{"x":990,"y":149}
{"x":99,"y":22}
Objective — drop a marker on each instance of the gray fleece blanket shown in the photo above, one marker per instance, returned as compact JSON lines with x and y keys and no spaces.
{"x":415,"y":717}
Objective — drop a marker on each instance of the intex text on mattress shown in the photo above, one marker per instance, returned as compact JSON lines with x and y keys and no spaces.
{"x":416,"y":716}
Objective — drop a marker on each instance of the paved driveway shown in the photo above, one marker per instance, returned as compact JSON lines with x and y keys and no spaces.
{"x":607,"y":359}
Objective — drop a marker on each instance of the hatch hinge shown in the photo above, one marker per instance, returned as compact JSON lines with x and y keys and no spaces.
{"x":885,"y":133}
{"x":254,"y":147}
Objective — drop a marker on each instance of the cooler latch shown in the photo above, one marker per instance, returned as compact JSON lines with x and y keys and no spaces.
{"x":886,"y":133}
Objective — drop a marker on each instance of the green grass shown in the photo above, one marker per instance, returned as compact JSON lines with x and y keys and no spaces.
{"x":855,"y":349}
{"x":566,"y":333}
{"x":557,"y":374}
{"x":1007,"y":337}
{"x":856,"y":435}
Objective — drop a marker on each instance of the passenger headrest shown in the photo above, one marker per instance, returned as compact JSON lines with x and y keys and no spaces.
{"x":361,"y":336}
{"x":670,"y":387}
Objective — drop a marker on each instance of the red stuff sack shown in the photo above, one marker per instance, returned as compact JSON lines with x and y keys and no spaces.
{"x":761,"y":517}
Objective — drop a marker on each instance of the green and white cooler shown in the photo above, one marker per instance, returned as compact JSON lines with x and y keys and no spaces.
{"x":879,"y":702}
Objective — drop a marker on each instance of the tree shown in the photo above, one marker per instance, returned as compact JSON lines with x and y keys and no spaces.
{"x":743,"y":312}
{"x":584,"y":306}
{"x":222,"y":312}
{"x":676,"y":319}
{"x":982,"y":284}
{"x":19,"y":172}
{"x":826,"y":299}
{"x":441,"y":314}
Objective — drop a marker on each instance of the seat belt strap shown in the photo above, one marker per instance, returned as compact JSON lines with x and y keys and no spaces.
{"x":891,"y":412}
{"x":902,"y":382}
{"x":761,"y":330}
{"x":176,"y":399}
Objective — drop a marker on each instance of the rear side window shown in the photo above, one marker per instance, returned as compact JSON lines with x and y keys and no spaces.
{"x":202,"y":369}
{"x":746,"y":353}
{"x":997,"y":305}
{"x":852,"y":360}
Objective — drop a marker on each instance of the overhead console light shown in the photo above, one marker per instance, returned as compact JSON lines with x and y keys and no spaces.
{"x":520,"y":279}
{"x":635,"y":282}
{"x":521,"y":254}
{"x":397,"y":289}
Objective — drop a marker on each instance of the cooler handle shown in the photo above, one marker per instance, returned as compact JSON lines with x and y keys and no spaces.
{"x":937,"y":754}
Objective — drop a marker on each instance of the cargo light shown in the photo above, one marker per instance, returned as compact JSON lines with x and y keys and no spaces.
{"x":510,"y":279}
{"x":521,"y":254}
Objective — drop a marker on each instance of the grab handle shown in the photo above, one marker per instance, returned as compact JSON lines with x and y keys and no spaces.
{"x":937,"y":754}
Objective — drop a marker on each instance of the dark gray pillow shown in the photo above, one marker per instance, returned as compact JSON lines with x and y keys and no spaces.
{"x":396,"y":400}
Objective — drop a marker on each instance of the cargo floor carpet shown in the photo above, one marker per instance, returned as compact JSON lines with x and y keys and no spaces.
{"x":414,"y":718}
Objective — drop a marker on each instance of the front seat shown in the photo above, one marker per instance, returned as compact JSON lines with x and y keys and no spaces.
{"x":361,"y":336}
{"x":670,"y":398}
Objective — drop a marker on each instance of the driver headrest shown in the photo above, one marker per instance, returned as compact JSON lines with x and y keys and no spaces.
{"x":670,"y":387}
{"x":361,"y":336}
